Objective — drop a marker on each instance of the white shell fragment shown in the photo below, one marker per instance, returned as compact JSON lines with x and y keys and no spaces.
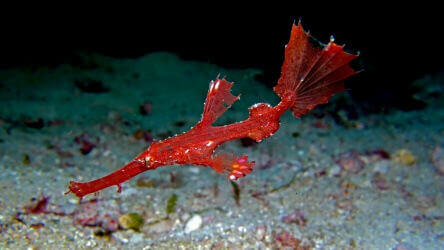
{"x":194,"y":223}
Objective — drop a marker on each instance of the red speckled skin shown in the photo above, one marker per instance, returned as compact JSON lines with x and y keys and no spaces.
{"x":311,"y":73}
{"x":193,"y":147}
{"x":197,"y":145}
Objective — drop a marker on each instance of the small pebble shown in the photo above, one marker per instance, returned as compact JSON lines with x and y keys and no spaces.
{"x":287,"y":241}
{"x":425,"y":202}
{"x":334,"y":171}
{"x":297,"y":217}
{"x":381,"y":167}
{"x":98,"y":213}
{"x":137,"y":238}
{"x":344,"y":204}
{"x":138,"y":134}
{"x":131,"y":221}
{"x":350,"y":162}
{"x":261,"y":230}
{"x":193,"y":224}
{"x":404,"y":156}
{"x":380,"y":182}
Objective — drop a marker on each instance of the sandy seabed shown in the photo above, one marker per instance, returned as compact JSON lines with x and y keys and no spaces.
{"x":317,"y":184}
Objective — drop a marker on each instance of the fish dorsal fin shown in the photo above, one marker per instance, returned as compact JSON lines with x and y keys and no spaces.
{"x":219,"y":99}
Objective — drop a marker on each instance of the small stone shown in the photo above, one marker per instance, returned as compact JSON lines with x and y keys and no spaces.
{"x":103,"y":213}
{"x":85,"y":142}
{"x":381,"y":167}
{"x":344,"y":204}
{"x":261,"y":230}
{"x":321,"y":125}
{"x":404,"y":156}
{"x":193,"y":224}
{"x":138,"y":134}
{"x":297,"y":217}
{"x":131,"y":221}
{"x":345,"y":184}
{"x":137,"y":238}
{"x":378,"y":154}
{"x":380,"y":182}
{"x":26,"y":159}
{"x":145,"y":182}
{"x":161,"y":227}
{"x":425,"y":202}
{"x":334,"y":171}
{"x":286,"y":240}
{"x":350,"y":162}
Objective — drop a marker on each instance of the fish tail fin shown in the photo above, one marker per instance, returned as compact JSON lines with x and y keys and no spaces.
{"x":312,"y":72}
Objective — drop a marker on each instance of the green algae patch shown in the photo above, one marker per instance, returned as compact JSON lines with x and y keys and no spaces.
{"x":171,"y":204}
{"x":131,"y":221}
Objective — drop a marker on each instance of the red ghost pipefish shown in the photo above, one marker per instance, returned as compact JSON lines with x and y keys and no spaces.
{"x":311,"y":74}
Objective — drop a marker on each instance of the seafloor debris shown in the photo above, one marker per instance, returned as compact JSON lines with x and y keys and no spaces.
{"x":380,"y":182}
{"x":321,"y":124}
{"x":376,"y":155}
{"x":344,"y":204}
{"x":404,"y":156}
{"x":438,"y":159}
{"x":131,"y":221}
{"x":297,"y":217}
{"x":43,"y":206}
{"x":37,"y":225}
{"x":143,"y":134}
{"x":26,"y":159}
{"x":236,"y":192}
{"x":85,"y":142}
{"x":425,"y":202}
{"x":138,"y":134}
{"x":350,"y":162}
{"x":261,"y":231}
{"x":103,"y":213}
{"x":171,"y":204}
{"x":320,"y":173}
{"x":64,"y":154}
{"x":146,"y":182}
{"x":285,"y":240}
{"x":39,"y":206}
{"x":343,"y":119}
{"x":193,"y":224}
